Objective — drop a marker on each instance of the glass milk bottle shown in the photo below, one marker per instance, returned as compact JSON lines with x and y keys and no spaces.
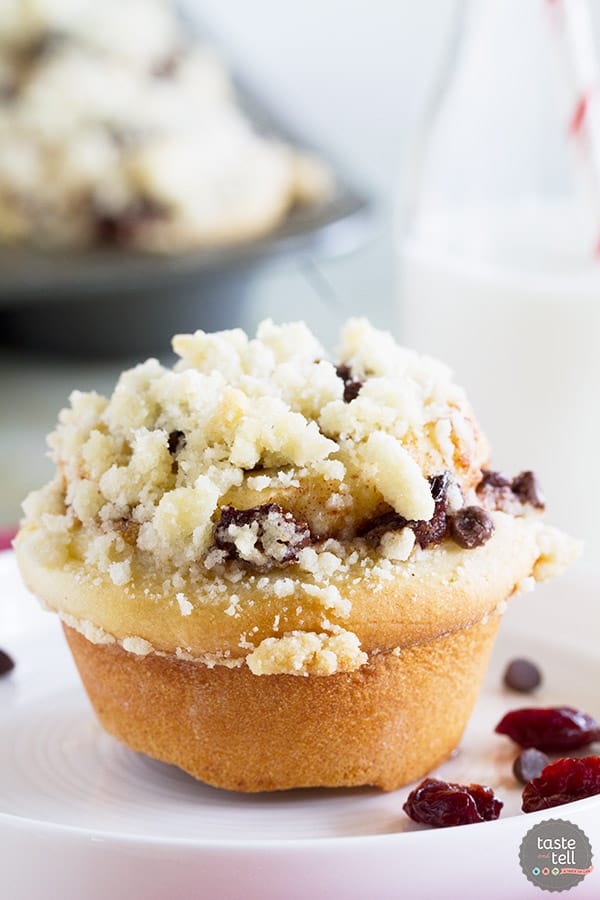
{"x":498,"y":265}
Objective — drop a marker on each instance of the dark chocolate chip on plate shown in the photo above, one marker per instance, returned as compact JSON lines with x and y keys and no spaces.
{"x":6,"y":663}
{"x":529,"y":764}
{"x":522,"y":675}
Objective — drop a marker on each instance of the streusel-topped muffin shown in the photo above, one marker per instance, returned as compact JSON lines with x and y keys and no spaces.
{"x":277,"y":571}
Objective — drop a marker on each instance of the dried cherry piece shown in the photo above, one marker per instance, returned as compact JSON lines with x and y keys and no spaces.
{"x":561,"y":782}
{"x":7,"y":663}
{"x":442,"y":803}
{"x":529,"y":764}
{"x":555,"y":728}
{"x":471,"y":527}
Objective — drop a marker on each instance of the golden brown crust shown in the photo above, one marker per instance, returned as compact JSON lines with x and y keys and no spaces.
{"x":386,"y":724}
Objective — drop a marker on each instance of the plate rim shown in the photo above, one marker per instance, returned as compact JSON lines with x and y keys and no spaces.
{"x":285,"y":844}
{"x":79,"y":833}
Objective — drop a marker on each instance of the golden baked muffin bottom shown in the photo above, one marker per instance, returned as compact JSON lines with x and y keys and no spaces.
{"x":385,"y":724}
{"x":271,"y":565}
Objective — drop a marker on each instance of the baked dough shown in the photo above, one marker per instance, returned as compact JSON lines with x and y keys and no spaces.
{"x":259,"y":534}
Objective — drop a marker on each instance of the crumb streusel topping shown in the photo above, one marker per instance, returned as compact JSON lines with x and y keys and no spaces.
{"x":251,"y":470}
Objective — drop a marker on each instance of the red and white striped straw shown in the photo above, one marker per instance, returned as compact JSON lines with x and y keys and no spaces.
{"x":575,"y":29}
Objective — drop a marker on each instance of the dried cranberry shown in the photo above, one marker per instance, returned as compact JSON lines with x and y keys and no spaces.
{"x":7,"y":663}
{"x":522,"y":675}
{"x":529,"y":764}
{"x":562,"y":782}
{"x":471,"y":527}
{"x":553,"y":729}
{"x":442,"y":803}
{"x":527,"y":489}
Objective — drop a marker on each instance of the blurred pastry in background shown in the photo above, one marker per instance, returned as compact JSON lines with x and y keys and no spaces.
{"x":120,"y":128}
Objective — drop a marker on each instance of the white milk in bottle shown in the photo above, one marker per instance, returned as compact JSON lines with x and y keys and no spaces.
{"x":523,"y":337}
{"x":497,"y":269}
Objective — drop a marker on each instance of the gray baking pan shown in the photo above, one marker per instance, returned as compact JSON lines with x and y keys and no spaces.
{"x":117,"y":302}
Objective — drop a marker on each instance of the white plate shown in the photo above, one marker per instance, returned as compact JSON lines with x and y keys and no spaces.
{"x":83,"y":818}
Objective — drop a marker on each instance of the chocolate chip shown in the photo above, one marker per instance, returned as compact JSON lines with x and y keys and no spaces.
{"x":493,"y":479}
{"x":471,"y":527}
{"x":351,"y":385}
{"x":7,"y":664}
{"x":374,"y":530}
{"x":427,"y":532}
{"x":278,"y":536}
{"x":434,"y":530}
{"x":496,"y":491}
{"x":527,"y":488}
{"x":176,"y":442}
{"x":117,"y":229}
{"x":352,"y":390}
{"x":522,"y":675}
{"x":529,"y":764}
{"x":343,"y":371}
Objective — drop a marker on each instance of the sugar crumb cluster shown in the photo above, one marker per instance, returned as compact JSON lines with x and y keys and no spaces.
{"x":250,"y":473}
